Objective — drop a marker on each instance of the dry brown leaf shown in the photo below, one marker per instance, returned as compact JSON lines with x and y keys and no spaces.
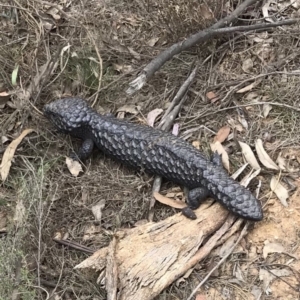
{"x":201,"y":297}
{"x":47,"y":22}
{"x":217,"y":146}
{"x":131,"y":109}
{"x":91,"y":232}
{"x":247,"y":179}
{"x":152,"y":41}
{"x":281,"y":161}
{"x":256,"y":291}
{"x":266,"y":109}
{"x":252,"y":96}
{"x":169,"y":201}
{"x":57,"y":235}
{"x":246,"y":88}
{"x":97,"y":210}
{"x":263,"y":156}
{"x":247,"y":65}
{"x":296,"y":4}
{"x":196,"y":144}
{"x":243,"y":121}
{"x":3,"y":221}
{"x":141,"y":222}
{"x":212,"y":96}
{"x":4,"y":97}
{"x":280,"y":191}
{"x":4,"y":139}
{"x":222,"y":134}
{"x":19,"y":215}
{"x":205,"y":12}
{"x":175,"y":129}
{"x":134,"y":53}
{"x":9,"y":154}
{"x":239,"y":275}
{"x":267,"y":277}
{"x":152,"y":115}
{"x":54,"y":12}
{"x":272,"y":248}
{"x":74,"y":166}
{"x":249,"y":156}
{"x":235,"y":125}
{"x":4,"y":94}
{"x":239,"y":171}
{"x":265,"y":11}
{"x":125,"y":69}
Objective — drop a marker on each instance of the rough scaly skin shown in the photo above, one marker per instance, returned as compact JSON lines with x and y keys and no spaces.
{"x":154,"y":151}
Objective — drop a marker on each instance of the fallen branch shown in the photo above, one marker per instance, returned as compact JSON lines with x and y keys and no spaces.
{"x":167,"y":54}
{"x":201,"y":36}
{"x":74,"y":245}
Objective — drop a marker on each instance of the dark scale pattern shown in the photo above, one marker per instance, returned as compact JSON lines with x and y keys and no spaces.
{"x":154,"y":151}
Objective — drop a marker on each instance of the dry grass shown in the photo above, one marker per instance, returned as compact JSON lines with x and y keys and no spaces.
{"x":99,"y":47}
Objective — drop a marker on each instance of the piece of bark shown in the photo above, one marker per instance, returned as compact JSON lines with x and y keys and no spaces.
{"x":151,"y":256}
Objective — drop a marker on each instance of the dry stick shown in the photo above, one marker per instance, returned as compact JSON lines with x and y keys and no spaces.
{"x":112,"y":271}
{"x":180,"y":94}
{"x":74,"y":245}
{"x":243,"y":233}
{"x":201,"y":36}
{"x":166,"y":124}
{"x":167,"y":54}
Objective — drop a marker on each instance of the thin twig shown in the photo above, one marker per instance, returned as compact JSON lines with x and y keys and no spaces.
{"x":180,"y":94}
{"x":74,"y":245}
{"x":243,"y":233}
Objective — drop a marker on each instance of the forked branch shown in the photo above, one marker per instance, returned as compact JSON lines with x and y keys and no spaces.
{"x":201,"y":36}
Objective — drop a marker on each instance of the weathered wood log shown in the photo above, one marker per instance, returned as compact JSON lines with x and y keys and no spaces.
{"x":152,"y":256}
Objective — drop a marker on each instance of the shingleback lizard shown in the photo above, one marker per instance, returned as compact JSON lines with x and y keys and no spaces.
{"x":154,"y":151}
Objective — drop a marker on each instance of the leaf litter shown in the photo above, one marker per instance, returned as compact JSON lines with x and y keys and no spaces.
{"x":9,"y":154}
{"x":280,"y":191}
{"x":263,"y":156}
{"x":74,"y":166}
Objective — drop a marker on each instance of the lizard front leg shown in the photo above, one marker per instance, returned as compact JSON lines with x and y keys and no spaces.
{"x":84,"y":151}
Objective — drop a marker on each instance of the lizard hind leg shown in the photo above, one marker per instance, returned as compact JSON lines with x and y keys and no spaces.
{"x":217,"y":159}
{"x":84,"y":151}
{"x":196,"y":196}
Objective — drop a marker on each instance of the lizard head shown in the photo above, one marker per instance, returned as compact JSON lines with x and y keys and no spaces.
{"x":68,"y":114}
